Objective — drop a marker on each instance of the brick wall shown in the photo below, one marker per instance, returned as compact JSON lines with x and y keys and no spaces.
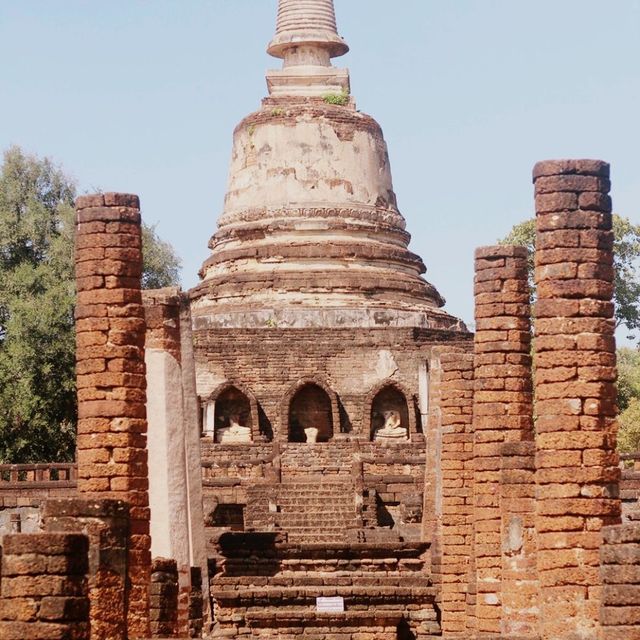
{"x":106,"y":525}
{"x":268,"y":588}
{"x":351,"y":362}
{"x":454,"y":531}
{"x":163,"y":599}
{"x":44,"y":587}
{"x":620,"y":572}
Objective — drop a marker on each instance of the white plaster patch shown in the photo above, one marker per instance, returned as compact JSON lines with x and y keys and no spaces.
{"x":386,"y":365}
{"x":515,"y":538}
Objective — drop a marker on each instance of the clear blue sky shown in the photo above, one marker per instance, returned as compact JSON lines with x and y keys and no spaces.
{"x":142,"y":96}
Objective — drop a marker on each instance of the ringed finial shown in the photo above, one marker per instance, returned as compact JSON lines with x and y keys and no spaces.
{"x":307,"y":23}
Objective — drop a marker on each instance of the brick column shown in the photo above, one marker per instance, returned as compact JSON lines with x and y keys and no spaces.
{"x":577,"y":474}
{"x":502,"y":421}
{"x":164,"y":599}
{"x":44,"y":587}
{"x":455,"y":499}
{"x":112,"y":426}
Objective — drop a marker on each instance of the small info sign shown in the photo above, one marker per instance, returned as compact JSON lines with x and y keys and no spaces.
{"x":330,"y":605}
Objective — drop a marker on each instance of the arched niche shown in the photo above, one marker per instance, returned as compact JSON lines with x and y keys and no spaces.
{"x":309,"y":405}
{"x":390,"y":417}
{"x":231,"y":415}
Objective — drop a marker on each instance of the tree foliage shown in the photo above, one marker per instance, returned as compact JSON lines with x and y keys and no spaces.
{"x":161,"y":265}
{"x":629,"y":399}
{"x":629,"y":428}
{"x":37,"y":294}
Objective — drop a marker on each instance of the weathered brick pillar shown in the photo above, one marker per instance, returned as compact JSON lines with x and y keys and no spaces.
{"x":577,"y":474}
{"x":620,"y":571}
{"x":44,"y":587}
{"x":455,"y":499}
{"x":502,"y":422}
{"x":112,"y":426}
{"x":163,"y":609}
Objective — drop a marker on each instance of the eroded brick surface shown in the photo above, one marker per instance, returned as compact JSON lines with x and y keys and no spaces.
{"x":503,"y":449}
{"x":106,"y":524}
{"x":454,"y":540}
{"x":44,"y":587}
{"x":110,"y":330}
{"x":577,"y":474}
{"x":620,"y":570}
{"x":163,"y":599}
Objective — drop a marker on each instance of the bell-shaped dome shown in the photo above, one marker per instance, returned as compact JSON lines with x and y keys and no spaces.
{"x":311,"y":234}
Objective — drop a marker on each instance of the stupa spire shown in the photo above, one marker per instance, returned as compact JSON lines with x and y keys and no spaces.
{"x":307,"y":23}
{"x":306,"y":39}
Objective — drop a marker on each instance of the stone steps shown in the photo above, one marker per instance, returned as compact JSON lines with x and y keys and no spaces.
{"x":317,"y":505}
{"x":314,"y":483}
{"x":314,"y":463}
{"x":311,"y":538}
{"x":300,"y":594}
{"x":319,"y":579}
{"x":310,"y":520}
{"x":320,"y":503}
{"x":316,"y":511}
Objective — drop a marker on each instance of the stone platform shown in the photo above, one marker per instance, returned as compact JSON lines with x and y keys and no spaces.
{"x":266,"y":585}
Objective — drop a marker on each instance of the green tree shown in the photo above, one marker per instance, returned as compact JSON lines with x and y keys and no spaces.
{"x":161,"y":265}
{"x":628,"y":376}
{"x":626,"y":254}
{"x":37,"y":294}
{"x":629,"y":428}
{"x":629,"y":399}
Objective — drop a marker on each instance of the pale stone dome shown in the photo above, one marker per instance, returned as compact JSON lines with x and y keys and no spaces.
{"x":310,"y":234}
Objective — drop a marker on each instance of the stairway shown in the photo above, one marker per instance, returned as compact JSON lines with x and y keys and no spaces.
{"x":316,"y":512}
{"x":269,"y":587}
{"x":327,"y":460}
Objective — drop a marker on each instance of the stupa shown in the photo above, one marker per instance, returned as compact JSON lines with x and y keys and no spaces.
{"x":310,"y":234}
{"x":313,"y":332}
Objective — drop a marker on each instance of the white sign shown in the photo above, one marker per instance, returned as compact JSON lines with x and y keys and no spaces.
{"x":330,"y":605}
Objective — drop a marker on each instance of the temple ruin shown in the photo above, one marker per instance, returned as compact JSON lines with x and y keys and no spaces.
{"x":306,"y":444}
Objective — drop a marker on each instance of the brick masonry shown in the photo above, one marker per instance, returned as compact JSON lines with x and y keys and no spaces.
{"x":620,"y":570}
{"x":106,"y":524}
{"x":110,"y":334}
{"x":577,"y":465}
{"x":268,"y":588}
{"x":503,"y":448}
{"x":44,"y":587}
{"x":196,"y":609}
{"x":163,"y":605}
{"x":454,"y":506}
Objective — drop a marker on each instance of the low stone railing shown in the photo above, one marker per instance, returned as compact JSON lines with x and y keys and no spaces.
{"x":41,"y":475}
{"x":630,"y":461}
